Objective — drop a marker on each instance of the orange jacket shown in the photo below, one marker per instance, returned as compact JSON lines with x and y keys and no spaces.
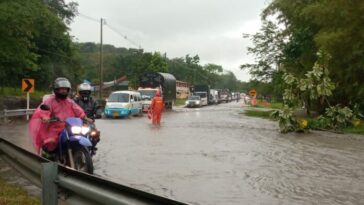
{"x":157,"y":104}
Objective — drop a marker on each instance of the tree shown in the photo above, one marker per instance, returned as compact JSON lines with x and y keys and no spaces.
{"x":157,"y":63}
{"x":136,"y":62}
{"x":17,"y":21}
{"x":35,"y":41}
{"x":268,"y":44}
{"x":227,"y":80}
{"x":305,"y":27}
{"x":212,"y":73}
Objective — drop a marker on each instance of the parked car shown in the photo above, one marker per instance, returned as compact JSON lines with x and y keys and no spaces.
{"x":123,"y":104}
{"x":193,"y":101}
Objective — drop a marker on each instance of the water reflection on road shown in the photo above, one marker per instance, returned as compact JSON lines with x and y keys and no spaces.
{"x":214,"y":155}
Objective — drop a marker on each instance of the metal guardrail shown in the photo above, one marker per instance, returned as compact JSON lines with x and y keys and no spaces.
{"x":74,"y":187}
{"x":17,"y":112}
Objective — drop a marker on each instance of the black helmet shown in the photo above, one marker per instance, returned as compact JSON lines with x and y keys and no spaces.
{"x":61,"y":83}
{"x":84,"y":90}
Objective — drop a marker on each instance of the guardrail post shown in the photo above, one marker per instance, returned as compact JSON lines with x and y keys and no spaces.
{"x":49,"y":186}
{"x":5,"y":116}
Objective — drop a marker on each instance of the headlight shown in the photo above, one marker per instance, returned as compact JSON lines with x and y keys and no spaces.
{"x":85,"y":130}
{"x":186,"y":103}
{"x":76,"y":130}
{"x":197,"y":102}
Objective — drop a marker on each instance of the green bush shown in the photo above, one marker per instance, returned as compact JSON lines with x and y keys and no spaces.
{"x":286,"y":120}
{"x":339,"y":118}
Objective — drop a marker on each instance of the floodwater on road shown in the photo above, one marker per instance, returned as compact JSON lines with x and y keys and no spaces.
{"x":214,"y":155}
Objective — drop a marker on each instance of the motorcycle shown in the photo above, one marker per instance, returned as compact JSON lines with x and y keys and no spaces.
{"x":76,"y":145}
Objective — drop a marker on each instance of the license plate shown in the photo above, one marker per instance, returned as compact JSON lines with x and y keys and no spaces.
{"x":115,"y":114}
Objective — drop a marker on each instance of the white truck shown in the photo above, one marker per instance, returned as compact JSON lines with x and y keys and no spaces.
{"x":214,"y":96}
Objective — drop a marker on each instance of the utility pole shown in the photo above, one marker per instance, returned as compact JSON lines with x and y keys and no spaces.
{"x":101,"y":60}
{"x":194,"y":76}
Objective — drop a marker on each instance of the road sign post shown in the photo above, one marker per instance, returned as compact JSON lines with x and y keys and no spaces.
{"x":253,"y":93}
{"x":27,"y":85}
{"x":28,"y":102}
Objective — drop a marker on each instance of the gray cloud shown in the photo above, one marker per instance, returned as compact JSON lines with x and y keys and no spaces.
{"x":210,"y":28}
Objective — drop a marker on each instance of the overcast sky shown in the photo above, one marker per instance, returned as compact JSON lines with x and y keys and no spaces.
{"x":210,"y":28}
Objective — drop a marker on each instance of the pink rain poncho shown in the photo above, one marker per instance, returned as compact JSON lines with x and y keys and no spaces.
{"x":46,"y":134}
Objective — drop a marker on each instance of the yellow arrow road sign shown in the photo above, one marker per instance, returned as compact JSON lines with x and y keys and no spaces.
{"x":27,"y":85}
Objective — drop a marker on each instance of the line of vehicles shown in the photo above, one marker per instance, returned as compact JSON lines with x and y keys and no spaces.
{"x":202,"y":95}
{"x":128,"y":103}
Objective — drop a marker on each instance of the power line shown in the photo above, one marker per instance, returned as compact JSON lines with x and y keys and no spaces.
{"x":122,"y":35}
{"x":89,"y":18}
{"x":111,"y":28}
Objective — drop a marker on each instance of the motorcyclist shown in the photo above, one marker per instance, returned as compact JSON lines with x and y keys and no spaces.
{"x":45,"y":135}
{"x":89,"y":106}
{"x":85,"y":101}
{"x":156,"y":108}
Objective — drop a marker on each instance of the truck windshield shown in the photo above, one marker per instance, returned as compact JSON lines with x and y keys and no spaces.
{"x":194,"y":97}
{"x":119,"y":97}
{"x":202,"y":95}
{"x":147,"y":94}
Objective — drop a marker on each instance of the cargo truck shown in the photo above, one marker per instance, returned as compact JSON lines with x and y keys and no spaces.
{"x":149,"y":83}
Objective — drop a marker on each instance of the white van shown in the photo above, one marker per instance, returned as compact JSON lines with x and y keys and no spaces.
{"x":123,"y":104}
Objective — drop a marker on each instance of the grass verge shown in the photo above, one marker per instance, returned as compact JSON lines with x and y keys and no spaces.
{"x":265,"y":104}
{"x":7,"y":91}
{"x":180,"y":102}
{"x":258,"y":113}
{"x":355,"y":130}
{"x":14,"y":195}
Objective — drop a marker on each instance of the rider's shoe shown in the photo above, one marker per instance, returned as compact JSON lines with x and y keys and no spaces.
{"x":48,"y":155}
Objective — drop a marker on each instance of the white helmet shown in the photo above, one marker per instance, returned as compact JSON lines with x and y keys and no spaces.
{"x":85,"y":87}
{"x":84,"y":90}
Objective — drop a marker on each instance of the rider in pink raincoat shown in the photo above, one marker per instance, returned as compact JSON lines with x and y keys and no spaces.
{"x":45,"y":135}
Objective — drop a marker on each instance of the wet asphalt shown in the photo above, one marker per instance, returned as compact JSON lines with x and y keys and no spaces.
{"x":216,"y":155}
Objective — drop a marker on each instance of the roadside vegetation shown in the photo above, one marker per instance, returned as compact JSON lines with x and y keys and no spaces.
{"x":353,"y":126}
{"x":16,"y":91}
{"x":302,"y":58}
{"x":14,"y":195}
{"x":258,"y":113}
{"x":180,"y":102}
{"x":355,"y":130}
{"x":14,"y":98}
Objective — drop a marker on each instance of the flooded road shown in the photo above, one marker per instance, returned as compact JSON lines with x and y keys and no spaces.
{"x":214,"y":155}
